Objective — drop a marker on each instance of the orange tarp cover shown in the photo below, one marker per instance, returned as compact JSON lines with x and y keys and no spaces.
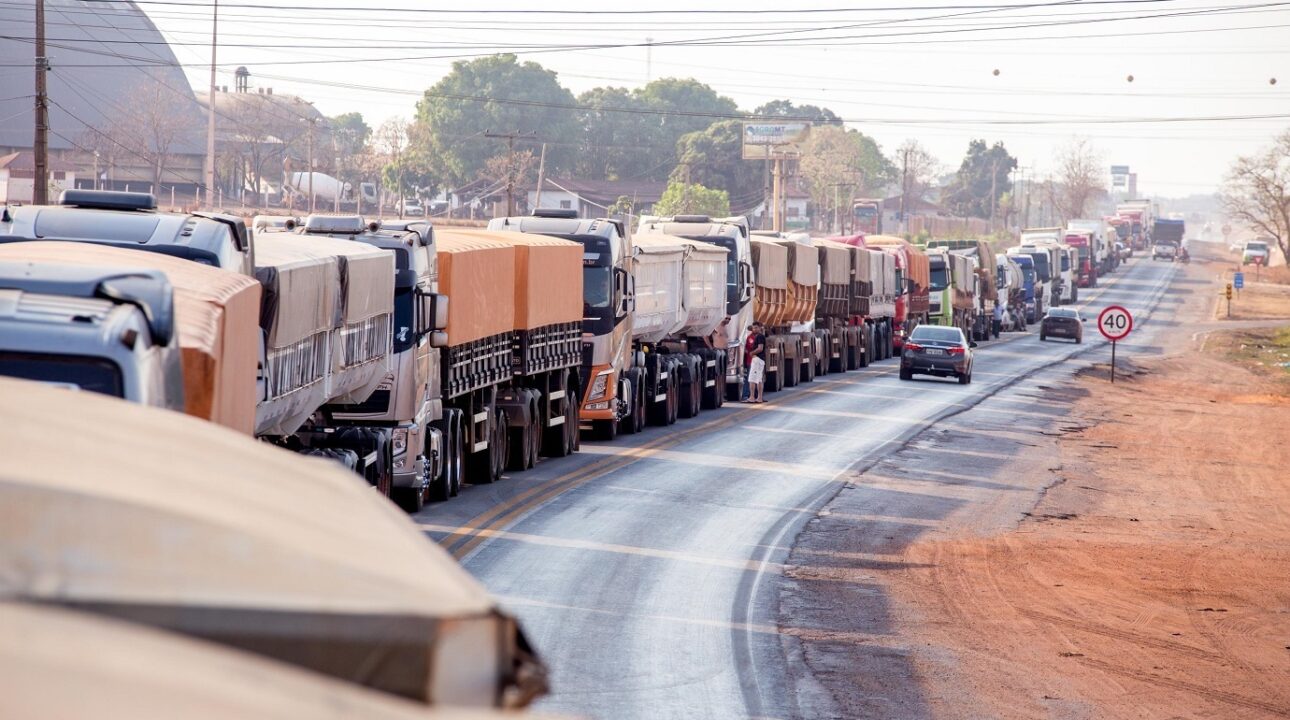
{"x":478,"y":276}
{"x":548,"y":276}
{"x":217,"y":315}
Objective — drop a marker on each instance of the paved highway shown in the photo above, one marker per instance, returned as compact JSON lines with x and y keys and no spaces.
{"x":649,"y":571}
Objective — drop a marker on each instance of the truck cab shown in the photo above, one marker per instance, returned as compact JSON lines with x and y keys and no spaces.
{"x":1046,"y":284}
{"x":1031,"y":285}
{"x":614,"y":389}
{"x":130,"y":220}
{"x":100,"y":330}
{"x":407,"y":404}
{"x":940,"y":307}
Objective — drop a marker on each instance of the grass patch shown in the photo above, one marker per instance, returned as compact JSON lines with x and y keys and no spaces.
{"x":1265,"y":351}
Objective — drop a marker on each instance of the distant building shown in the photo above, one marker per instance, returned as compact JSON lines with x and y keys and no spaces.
{"x":591,"y":197}
{"x":104,"y":55}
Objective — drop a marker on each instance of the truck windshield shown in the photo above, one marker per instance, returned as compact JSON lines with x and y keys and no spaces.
{"x":597,"y":287}
{"x":1041,"y":266}
{"x":940,"y":278}
{"x":866,"y":211}
{"x":87,"y":373}
{"x":1122,"y":231}
{"x":1066,"y":262}
{"x":1028,"y":274}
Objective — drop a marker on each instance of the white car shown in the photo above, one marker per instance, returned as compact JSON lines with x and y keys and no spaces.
{"x":412,"y":207}
{"x":1164,"y":251}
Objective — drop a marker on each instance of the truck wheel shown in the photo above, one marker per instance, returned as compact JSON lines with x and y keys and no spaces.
{"x":411,"y":500}
{"x":499,"y":448}
{"x":606,"y":430}
{"x":455,"y":468}
{"x":673,"y":396}
{"x":809,"y":367}
{"x":571,"y":422}
{"x":688,"y":395}
{"x":441,"y":486}
{"x":659,"y":411}
{"x":555,"y":440}
{"x":520,"y":442}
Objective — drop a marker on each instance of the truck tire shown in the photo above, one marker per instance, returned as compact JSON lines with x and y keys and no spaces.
{"x":520,"y":457}
{"x":712,"y":397}
{"x":674,"y":394}
{"x":441,"y":487}
{"x":808,"y":368}
{"x":606,"y":430}
{"x":411,"y":500}
{"x":556,"y":441}
{"x":690,"y":392}
{"x":501,"y":445}
{"x":659,"y":412}
{"x":791,"y":362}
{"x":455,"y":459}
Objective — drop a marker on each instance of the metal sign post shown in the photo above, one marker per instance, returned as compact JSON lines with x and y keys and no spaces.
{"x":1115,"y":323}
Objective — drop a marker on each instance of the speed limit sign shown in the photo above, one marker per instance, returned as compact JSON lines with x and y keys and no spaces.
{"x":1115,"y":322}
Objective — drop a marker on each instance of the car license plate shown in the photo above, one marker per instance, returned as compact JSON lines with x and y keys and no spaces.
{"x":935,"y":351}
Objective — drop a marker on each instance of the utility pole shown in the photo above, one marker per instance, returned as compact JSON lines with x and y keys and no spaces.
{"x":510,"y":164}
{"x":40,"y":147}
{"x":649,"y":59}
{"x":311,"y":165}
{"x":994,"y":182}
{"x":904,"y":186}
{"x":210,"y":109}
{"x":537,"y":203}
{"x":765,"y":188}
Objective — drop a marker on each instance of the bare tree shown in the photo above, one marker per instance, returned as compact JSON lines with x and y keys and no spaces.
{"x":152,"y":127}
{"x":917,"y":167}
{"x":1257,"y":192}
{"x":512,"y":169}
{"x":1080,"y":178}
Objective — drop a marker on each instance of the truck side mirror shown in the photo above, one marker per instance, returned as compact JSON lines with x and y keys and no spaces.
{"x":625,"y":286}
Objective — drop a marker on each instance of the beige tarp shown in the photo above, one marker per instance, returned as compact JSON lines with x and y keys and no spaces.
{"x":771,"y":261}
{"x":216,"y":312}
{"x":835,"y":260}
{"x":74,"y":666}
{"x":548,"y":276}
{"x":658,"y":269}
{"x":478,"y":276}
{"x":367,"y":274}
{"x":301,"y":289}
{"x":173,"y":522}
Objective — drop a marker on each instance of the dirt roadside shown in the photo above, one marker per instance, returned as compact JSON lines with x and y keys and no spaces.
{"x":1151,"y":580}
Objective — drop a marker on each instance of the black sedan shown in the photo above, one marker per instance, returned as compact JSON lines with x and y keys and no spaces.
{"x":1064,"y":323}
{"x":937,"y":350}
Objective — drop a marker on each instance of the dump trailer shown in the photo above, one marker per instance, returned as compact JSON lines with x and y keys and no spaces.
{"x":102,"y":330}
{"x":480,"y":276}
{"x":1104,"y":256}
{"x":875,"y":294}
{"x":658,"y":267}
{"x":731,"y":234}
{"x":845,"y":292}
{"x":614,"y":375}
{"x":803,"y":297}
{"x":539,"y":397}
{"x":770,"y":307}
{"x":216,"y":321}
{"x":913,"y":277}
{"x":130,"y":220}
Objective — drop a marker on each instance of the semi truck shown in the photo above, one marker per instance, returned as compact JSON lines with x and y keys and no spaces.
{"x":1032,"y":287}
{"x":986,"y":294}
{"x":731,"y":234}
{"x":647,"y":308}
{"x":1012,"y":292}
{"x":1171,"y":231}
{"x":913,"y":277}
{"x":788,"y":277}
{"x":953,"y":295}
{"x":1140,"y":218}
{"x":216,"y":316}
{"x":866,"y":216}
{"x":1104,"y":256}
{"x":875,"y":294}
{"x":1086,"y":269}
{"x":329,"y":193}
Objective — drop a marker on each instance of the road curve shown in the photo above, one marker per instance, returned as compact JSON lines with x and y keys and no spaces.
{"x":646,"y":571}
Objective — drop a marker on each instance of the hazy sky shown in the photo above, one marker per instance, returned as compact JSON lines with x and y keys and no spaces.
{"x":895,"y":70}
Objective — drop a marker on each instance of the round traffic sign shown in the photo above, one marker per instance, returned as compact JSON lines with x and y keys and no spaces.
{"x":1115,"y":322}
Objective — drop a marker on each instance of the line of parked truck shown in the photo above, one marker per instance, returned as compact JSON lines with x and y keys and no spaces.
{"x":424,"y":358}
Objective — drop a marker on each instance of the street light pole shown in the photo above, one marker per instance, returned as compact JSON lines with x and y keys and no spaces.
{"x":311,"y":165}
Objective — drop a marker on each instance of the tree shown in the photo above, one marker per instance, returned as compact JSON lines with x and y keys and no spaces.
{"x":1257,"y":191}
{"x":1079,"y":178}
{"x":692,"y":199}
{"x":701,"y":104}
{"x":614,"y":145}
{"x":982,"y":179}
{"x":917,"y":168}
{"x":151,"y":128}
{"x":839,"y":164}
{"x":511,"y":169}
{"x":713,"y":157}
{"x":495,"y":93}
{"x":786,"y":108}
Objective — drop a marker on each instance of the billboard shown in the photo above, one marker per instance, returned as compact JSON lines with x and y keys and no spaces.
{"x":1119,"y":169}
{"x":772,"y":139}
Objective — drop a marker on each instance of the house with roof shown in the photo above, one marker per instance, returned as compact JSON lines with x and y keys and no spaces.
{"x":592,"y":198}
{"x":18,"y":177}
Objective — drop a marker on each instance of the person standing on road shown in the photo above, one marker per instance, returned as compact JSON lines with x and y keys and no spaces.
{"x":998,"y":319}
{"x":756,"y":364}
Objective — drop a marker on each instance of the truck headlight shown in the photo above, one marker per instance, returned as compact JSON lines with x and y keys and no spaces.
{"x":598,"y":406}
{"x":400,"y":440}
{"x":599,"y":386}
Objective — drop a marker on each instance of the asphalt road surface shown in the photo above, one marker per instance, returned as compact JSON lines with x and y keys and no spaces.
{"x":650,"y":572}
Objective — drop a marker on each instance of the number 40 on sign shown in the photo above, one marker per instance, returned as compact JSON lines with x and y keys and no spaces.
{"x":1115,"y":323}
